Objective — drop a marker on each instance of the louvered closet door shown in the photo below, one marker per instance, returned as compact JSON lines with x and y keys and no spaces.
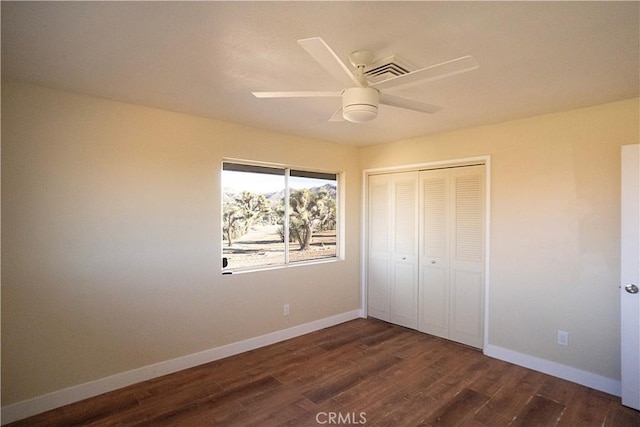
{"x":451,"y":303}
{"x":404,"y":259}
{"x":435,"y":239}
{"x":392,"y":268}
{"x":379,"y":250}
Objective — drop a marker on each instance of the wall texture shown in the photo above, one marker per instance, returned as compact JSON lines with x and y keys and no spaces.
{"x":111,"y":241}
{"x":554,"y":230}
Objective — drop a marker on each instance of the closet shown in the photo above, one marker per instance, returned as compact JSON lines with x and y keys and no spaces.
{"x":425,"y":251}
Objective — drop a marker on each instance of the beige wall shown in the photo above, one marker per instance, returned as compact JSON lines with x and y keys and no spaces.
{"x":555,"y":227}
{"x":111,"y":241}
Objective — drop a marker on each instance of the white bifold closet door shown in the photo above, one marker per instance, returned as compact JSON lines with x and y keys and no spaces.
{"x":425,"y":266}
{"x":451,"y":286}
{"x":393,"y":248}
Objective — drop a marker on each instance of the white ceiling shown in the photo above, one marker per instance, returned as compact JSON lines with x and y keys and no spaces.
{"x":205,"y":58}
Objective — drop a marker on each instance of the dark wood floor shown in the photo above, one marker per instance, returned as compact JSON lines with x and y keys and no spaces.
{"x":363,"y":371}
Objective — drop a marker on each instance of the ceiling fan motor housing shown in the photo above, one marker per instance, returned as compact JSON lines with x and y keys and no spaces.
{"x":360,"y":104}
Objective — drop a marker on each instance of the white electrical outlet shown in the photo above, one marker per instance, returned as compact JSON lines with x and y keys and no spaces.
{"x":285,"y":310}
{"x":563,"y":338}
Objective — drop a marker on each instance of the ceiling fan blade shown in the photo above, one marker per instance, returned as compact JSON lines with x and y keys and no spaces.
{"x":299,"y":94}
{"x":322,"y":53}
{"x":408,"y":104}
{"x":337,"y":116}
{"x":434,"y":72}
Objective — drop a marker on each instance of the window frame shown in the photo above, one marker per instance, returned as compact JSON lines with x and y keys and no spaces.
{"x":286,"y":172}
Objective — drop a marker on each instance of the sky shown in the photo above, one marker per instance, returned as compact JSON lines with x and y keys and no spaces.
{"x":264,"y":183}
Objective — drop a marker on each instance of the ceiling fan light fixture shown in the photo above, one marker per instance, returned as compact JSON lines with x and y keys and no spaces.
{"x":360,"y":113}
{"x":360,"y":104}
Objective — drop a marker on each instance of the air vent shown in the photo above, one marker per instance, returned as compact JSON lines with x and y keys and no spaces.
{"x":387,"y":68}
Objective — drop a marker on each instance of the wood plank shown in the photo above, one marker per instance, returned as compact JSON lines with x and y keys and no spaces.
{"x":456,"y":410}
{"x":505,"y":405}
{"x":586,"y":407}
{"x":345,"y":382}
{"x":539,"y":412}
{"x":559,"y":390}
{"x":491,"y":378}
{"x":621,"y":416}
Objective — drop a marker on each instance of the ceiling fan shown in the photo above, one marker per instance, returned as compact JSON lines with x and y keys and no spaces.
{"x":360,"y":98}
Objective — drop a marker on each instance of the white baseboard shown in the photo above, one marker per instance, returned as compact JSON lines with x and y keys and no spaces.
{"x":578,"y":376}
{"x":37,"y":405}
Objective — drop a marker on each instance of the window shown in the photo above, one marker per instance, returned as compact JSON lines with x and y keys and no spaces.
{"x":275,"y":216}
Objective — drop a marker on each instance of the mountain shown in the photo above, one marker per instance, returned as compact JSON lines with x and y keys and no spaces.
{"x":275,"y":198}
